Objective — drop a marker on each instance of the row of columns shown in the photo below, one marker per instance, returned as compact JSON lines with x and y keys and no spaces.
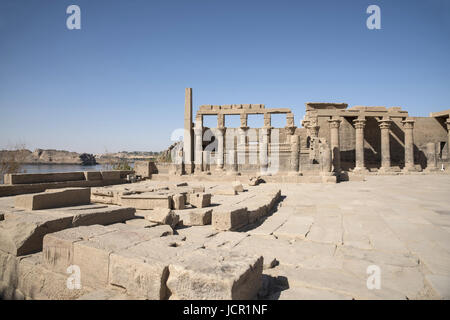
{"x":236,"y":154}
{"x":384,"y":124}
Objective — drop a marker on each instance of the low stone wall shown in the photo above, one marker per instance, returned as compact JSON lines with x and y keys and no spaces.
{"x":23,"y":183}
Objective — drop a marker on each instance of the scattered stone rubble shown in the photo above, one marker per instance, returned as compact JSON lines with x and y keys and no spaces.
{"x":126,"y":243}
{"x":306,"y":242}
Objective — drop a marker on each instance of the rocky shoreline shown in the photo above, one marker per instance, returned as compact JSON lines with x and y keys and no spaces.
{"x":41,"y":156}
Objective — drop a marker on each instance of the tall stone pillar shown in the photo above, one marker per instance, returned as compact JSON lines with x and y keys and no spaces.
{"x":198,"y":130}
{"x":232,"y":161}
{"x":334,"y":141}
{"x":295,"y":153}
{"x":360,"y":123}
{"x":325,"y":158}
{"x":448,"y":139}
{"x":188,"y":139}
{"x":242,"y":150}
{"x":220,"y":148}
{"x":385,"y":125}
{"x":431,"y":157}
{"x":264,"y":149}
{"x":408,"y":128}
{"x":314,"y":128}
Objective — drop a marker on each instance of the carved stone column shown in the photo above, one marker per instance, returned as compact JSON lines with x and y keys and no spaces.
{"x":242,"y":150}
{"x":220,"y":148}
{"x":385,"y":125}
{"x":264,"y":149}
{"x":295,"y":153}
{"x":448,"y":139}
{"x":198,"y":145}
{"x":305,"y":124}
{"x":360,"y":123}
{"x":325,"y":158}
{"x":334,"y":143}
{"x":431,"y":157}
{"x":408,"y":127}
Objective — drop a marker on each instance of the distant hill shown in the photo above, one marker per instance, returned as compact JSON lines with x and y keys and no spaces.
{"x":50,"y":156}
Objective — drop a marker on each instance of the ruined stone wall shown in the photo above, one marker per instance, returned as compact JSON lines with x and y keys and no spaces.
{"x":428,"y":129}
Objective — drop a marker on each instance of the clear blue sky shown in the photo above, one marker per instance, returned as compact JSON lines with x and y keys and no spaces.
{"x":118,"y":83}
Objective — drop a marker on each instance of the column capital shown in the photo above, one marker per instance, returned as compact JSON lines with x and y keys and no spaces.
{"x":408,"y":123}
{"x":219,"y":130}
{"x":291,"y":129}
{"x":334,"y":123}
{"x":266,"y":130}
{"x":359,"y":123}
{"x":385,"y":123}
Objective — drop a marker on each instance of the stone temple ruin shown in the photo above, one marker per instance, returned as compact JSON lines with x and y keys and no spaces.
{"x":333,"y":139}
{"x":244,"y":213}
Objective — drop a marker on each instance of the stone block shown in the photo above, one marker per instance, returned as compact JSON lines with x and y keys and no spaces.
{"x":92,"y":175}
{"x":256,"y":210}
{"x":143,"y":168}
{"x":254,"y":181}
{"x":143,"y":223}
{"x":178,"y":201}
{"x":238,"y":187}
{"x":103,"y":216}
{"x":146,"y":201}
{"x":53,"y":198}
{"x":110,"y":175}
{"x":200,"y":200}
{"x":215,"y":274}
{"x":198,"y":189}
{"x":38,"y":283}
{"x":141,"y":276}
{"x":58,"y":247}
{"x":200,"y":217}
{"x":23,"y":233}
{"x":196,"y":217}
{"x":92,"y":256}
{"x":162,"y":216}
{"x":30,"y":178}
{"x":229,"y":217}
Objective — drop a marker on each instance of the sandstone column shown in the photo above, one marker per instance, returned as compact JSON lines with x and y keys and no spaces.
{"x":360,"y":123}
{"x":448,"y":139}
{"x":188,"y":140}
{"x":242,"y":131}
{"x":325,"y":158}
{"x":220,"y":147}
{"x":385,"y":124}
{"x":431,"y":157}
{"x":408,"y":127}
{"x":198,"y":130}
{"x":231,"y":150}
{"x":334,"y":141}
{"x":295,"y":148}
{"x":263,"y":149}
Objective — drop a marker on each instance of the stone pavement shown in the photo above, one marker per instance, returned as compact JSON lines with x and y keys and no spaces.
{"x":326,"y":236}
